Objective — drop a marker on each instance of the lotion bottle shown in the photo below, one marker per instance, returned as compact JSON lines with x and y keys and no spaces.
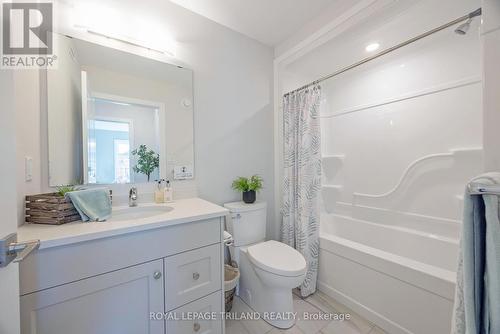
{"x":168,"y":192}
{"x":159,"y":193}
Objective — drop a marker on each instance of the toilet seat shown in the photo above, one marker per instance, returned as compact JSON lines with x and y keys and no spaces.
{"x":277,"y":258}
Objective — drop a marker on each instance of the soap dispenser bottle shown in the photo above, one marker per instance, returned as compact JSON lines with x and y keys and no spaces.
{"x":168,"y":192}
{"x":159,"y":192}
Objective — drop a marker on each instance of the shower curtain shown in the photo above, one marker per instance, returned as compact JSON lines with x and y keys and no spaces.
{"x":302,"y":178}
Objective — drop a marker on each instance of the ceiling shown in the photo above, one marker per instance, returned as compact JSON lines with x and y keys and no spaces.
{"x":268,"y":21}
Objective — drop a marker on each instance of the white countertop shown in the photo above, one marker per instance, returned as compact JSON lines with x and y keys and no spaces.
{"x":184,"y":211}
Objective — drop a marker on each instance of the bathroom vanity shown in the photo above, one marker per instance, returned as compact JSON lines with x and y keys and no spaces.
{"x":111,"y":277}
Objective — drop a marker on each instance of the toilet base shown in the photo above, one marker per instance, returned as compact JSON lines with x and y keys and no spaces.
{"x":274,"y":304}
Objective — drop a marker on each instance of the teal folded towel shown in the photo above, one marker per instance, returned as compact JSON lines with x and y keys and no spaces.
{"x":91,"y":204}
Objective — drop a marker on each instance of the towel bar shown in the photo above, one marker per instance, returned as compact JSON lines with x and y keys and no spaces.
{"x":480,"y":189}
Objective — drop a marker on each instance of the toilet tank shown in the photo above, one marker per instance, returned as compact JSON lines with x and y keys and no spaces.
{"x":247,"y":224}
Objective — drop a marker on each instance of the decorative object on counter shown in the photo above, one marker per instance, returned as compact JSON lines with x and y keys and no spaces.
{"x":62,"y":190}
{"x":159,"y":192}
{"x":50,"y":208}
{"x":147,"y":162}
{"x":91,"y":204}
{"x":168,"y":192}
{"x":183,"y":172}
{"x":231,"y":277}
{"x":248,"y":186}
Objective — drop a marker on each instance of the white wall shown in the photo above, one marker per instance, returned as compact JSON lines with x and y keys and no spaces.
{"x":233,"y":81}
{"x":491,"y":72}
{"x":234,"y":117}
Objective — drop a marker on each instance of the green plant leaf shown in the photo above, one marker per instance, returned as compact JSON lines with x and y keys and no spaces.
{"x":256,"y":183}
{"x":147,"y":161}
{"x":244,"y":184}
{"x":62,"y":190}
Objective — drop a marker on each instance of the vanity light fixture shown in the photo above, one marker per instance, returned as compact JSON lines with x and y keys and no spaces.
{"x":132,"y":43}
{"x":372,"y":47}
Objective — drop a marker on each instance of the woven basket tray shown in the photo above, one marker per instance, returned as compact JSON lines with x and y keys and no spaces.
{"x":51,"y":208}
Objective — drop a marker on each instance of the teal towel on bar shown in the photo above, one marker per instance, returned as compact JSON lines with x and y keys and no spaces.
{"x":477,"y":295}
{"x":91,"y":204}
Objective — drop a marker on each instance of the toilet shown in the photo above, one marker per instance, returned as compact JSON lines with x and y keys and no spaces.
{"x":269,"y":269}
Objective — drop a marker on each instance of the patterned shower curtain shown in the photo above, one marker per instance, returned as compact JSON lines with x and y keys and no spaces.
{"x":302,"y":178}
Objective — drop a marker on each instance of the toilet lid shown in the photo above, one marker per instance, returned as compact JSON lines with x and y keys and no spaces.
{"x":277,"y":258}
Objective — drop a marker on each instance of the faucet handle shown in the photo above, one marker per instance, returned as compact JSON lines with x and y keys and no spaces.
{"x":132,"y":197}
{"x":133,"y":191}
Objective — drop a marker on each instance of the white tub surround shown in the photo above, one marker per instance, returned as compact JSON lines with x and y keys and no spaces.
{"x":170,"y":262}
{"x":389,"y":274}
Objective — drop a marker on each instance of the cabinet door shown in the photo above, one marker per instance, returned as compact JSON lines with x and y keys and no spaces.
{"x":116,"y":302}
{"x":192,"y":275}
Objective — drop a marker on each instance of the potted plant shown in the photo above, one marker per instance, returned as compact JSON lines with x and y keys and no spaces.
{"x":147,"y":162}
{"x":248,"y":186}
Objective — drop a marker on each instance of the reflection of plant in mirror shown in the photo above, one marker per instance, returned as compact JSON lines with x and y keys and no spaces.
{"x":147,"y":162}
{"x":62,"y":190}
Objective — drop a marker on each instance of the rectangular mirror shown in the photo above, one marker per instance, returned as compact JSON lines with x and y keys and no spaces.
{"x":116,"y":117}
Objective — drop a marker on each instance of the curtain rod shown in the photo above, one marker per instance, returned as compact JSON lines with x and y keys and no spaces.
{"x":469,"y":16}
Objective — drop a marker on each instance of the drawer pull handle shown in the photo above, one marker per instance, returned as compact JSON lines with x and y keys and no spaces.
{"x":196,"y":327}
{"x":196,"y":276}
{"x":157,"y":275}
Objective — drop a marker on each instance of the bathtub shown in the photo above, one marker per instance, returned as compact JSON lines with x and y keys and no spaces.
{"x":401,"y":279}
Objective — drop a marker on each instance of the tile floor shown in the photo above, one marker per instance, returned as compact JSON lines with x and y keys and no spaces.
{"x":315,"y":304}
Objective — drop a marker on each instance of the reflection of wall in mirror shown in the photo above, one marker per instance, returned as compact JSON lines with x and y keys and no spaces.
{"x":64,"y":116}
{"x":178,"y":129}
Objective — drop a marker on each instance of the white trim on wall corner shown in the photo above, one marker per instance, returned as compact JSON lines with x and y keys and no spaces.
{"x":336,"y":23}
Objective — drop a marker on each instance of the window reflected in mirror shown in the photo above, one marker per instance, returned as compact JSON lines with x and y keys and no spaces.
{"x":115,"y":129}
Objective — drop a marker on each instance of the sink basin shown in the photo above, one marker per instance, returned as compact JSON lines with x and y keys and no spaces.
{"x":138,"y":212}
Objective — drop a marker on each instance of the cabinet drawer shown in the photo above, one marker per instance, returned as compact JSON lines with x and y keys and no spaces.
{"x":203,"y":309}
{"x":191,"y":275}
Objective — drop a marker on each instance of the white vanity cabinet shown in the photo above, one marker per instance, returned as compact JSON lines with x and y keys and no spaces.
{"x":113,"y":284}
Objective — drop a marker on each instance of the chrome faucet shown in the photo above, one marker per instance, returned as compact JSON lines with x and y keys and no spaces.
{"x":132,"y":197}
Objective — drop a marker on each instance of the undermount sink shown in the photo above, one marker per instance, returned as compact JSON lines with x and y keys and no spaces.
{"x":138,"y":212}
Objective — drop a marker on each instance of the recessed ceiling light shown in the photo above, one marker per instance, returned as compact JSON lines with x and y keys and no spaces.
{"x":372,"y":47}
